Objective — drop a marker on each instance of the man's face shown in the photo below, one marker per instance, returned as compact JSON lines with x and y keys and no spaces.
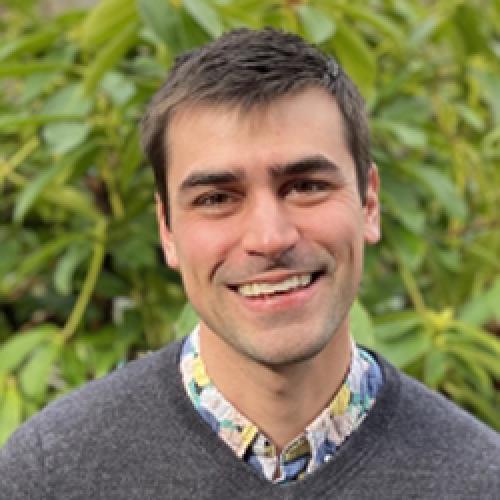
{"x":267,"y":227}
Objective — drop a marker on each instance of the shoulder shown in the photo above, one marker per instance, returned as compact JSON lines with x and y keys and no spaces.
{"x":431,"y":438}
{"x":443,"y":420}
{"x":97,"y":422}
{"x":132,"y":388}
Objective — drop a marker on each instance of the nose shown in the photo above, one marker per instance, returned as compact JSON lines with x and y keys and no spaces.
{"x":268,"y":229}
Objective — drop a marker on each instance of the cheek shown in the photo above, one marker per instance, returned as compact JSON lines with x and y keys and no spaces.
{"x":339,"y":228}
{"x":203,"y":246}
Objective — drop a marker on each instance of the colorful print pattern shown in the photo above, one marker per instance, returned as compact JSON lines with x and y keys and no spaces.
{"x":304,"y":454}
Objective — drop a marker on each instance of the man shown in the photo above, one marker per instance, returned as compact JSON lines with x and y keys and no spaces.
{"x":266,"y":197}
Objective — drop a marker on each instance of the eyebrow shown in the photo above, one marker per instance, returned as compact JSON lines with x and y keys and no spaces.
{"x":209,"y":178}
{"x":306,"y":165}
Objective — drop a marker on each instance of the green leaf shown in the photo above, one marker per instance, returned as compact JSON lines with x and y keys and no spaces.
{"x":413,"y":110}
{"x":29,"y":68}
{"x":316,"y":25}
{"x":15,"y":350}
{"x":361,"y":325}
{"x":31,"y":191}
{"x":162,"y":18}
{"x":404,"y":209}
{"x":10,"y":411}
{"x":64,"y":137}
{"x":356,"y":58}
{"x":468,"y":334}
{"x":74,"y":200}
{"x":483,"y":307}
{"x":119,"y":88}
{"x":406,"y":349}
{"x":475,"y":376}
{"x":105,"y":20}
{"x":14,"y":122}
{"x":470,"y":22}
{"x":485,"y":255}
{"x":408,"y":135}
{"x":408,"y":246}
{"x":188,"y":319}
{"x":11,"y":251}
{"x":37,"y":85}
{"x":489,"y":87}
{"x":134,"y":253}
{"x":383,"y":24}
{"x":395,"y":325}
{"x":131,"y":160}
{"x":73,"y":370}
{"x":108,"y":56}
{"x":205,"y":15}
{"x":449,"y":259}
{"x":435,"y":368}
{"x":471,"y":117}
{"x":475,"y":356}
{"x":106,"y":361}
{"x":490,"y":144}
{"x":35,"y":188}
{"x":34,"y":377}
{"x":423,"y":31}
{"x":442,"y":189}
{"x":469,"y":397}
{"x":32,"y":43}
{"x":110,"y":285}
{"x":69,"y":100}
{"x":38,"y":259}
{"x":67,"y":265}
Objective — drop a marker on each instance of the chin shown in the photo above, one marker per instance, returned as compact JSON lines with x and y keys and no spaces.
{"x":285,"y":355}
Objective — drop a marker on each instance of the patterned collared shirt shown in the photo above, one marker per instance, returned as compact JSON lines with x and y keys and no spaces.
{"x":308,"y":451}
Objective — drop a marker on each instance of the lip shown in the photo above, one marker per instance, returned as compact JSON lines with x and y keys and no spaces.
{"x":291,"y":300}
{"x":272,"y":277}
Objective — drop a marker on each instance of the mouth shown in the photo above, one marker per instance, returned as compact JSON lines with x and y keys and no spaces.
{"x":264,"y":289}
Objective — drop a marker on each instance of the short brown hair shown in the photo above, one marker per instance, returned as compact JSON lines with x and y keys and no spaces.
{"x":248,"y":68}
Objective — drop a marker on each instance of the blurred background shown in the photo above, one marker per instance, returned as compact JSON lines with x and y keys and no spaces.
{"x":83,"y":286}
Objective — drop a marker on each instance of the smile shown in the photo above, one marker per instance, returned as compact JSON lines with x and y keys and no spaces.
{"x":265,"y":288}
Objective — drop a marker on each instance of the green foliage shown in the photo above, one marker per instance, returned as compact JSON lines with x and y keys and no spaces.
{"x":83,"y":287}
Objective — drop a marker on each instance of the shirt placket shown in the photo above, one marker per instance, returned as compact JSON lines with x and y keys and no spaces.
{"x":294,"y":459}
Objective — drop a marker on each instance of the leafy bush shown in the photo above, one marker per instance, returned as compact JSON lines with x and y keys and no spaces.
{"x":82,"y":281}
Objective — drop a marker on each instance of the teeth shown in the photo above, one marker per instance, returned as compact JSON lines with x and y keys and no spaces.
{"x":255,"y":289}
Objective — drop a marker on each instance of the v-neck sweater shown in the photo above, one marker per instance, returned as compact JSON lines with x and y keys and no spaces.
{"x":135,"y":435}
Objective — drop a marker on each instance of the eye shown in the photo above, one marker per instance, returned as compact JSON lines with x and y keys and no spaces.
{"x":307,"y":186}
{"x":214,"y":200}
{"x":310,"y":186}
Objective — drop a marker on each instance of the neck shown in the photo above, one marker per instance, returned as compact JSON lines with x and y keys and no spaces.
{"x":280,"y":401}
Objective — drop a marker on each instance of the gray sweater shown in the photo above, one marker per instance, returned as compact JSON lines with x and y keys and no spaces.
{"x":135,"y":435}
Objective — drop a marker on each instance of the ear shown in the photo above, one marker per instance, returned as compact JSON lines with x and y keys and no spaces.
{"x":372,"y":207}
{"x":166,"y":238}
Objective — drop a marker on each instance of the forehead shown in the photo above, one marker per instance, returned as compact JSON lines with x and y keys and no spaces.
{"x":207,"y":136}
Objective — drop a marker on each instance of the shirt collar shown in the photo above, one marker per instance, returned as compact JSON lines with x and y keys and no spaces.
{"x":320,"y":438}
